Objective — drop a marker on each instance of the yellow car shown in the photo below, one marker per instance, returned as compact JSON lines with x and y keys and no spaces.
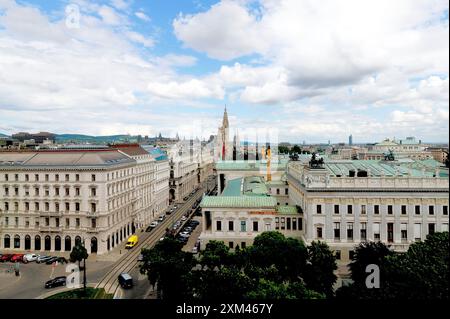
{"x":132,"y":241}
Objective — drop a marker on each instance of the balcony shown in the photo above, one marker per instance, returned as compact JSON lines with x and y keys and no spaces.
{"x":92,"y":230}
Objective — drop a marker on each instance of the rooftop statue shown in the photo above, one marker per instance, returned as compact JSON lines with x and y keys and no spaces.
{"x":315,"y":162}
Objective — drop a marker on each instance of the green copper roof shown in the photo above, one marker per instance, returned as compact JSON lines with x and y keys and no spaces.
{"x":250,"y":166}
{"x":255,"y":186}
{"x":238,"y":202}
{"x":233,"y":188}
{"x":290,"y":210}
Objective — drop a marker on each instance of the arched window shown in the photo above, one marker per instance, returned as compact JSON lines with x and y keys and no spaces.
{"x":7,"y":242}
{"x":27,"y":242}
{"x":57,"y":243}
{"x":94,"y":245}
{"x":17,"y":241}
{"x":77,"y":240}
{"x":47,"y":243}
{"x":68,"y":243}
{"x":37,"y":242}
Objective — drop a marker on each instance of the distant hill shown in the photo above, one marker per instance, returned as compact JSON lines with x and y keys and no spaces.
{"x":62,"y":138}
{"x":4,"y":135}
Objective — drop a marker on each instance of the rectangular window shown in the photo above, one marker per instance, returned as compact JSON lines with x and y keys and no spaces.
{"x":376,"y":231}
{"x":349,"y":209}
{"x":363,"y":209}
{"x":93,"y":192}
{"x":390,"y":232}
{"x":255,"y":226}
{"x":319,"y":232}
{"x":57,"y":177}
{"x":36,"y":177}
{"x":294,"y":223}
{"x":57,"y":222}
{"x":283,"y":223}
{"x":67,"y":191}
{"x":231,"y":244}
{"x":16,"y":221}
{"x":267,"y":227}
{"x":319,"y":209}
{"x":417,"y":209}
{"x":403,"y":209}
{"x":67,"y":177}
{"x":36,"y":206}
{"x":94,"y":223}
{"x":417,"y":231}
{"x":6,"y":177}
{"x":36,"y":191}
{"x":231,"y":225}
{"x":390,"y":210}
{"x":27,"y":177}
{"x":27,"y":206}
{"x":77,"y":191}
{"x":337,"y":230}
{"x":219,"y":225}
{"x":278,"y":191}
{"x":93,"y":208}
{"x":286,"y":191}
{"x":337,"y":254}
{"x":288,"y":223}
{"x":431,"y":228}
{"x":336,"y":209}
{"x":16,"y":177}
{"x":67,"y":222}
{"x":67,"y":207}
{"x":363,"y":231}
{"x":46,"y":177}
{"x":431,"y":210}
{"x":77,"y":177}
{"x":77,"y":223}
{"x":350,"y":231}
{"x":93,"y":177}
{"x":47,"y":207}
{"x":77,"y":207}
{"x":404,"y":231}
{"x":300,"y":224}
{"x":243,"y":244}
{"x":376,"y":209}
{"x":56,"y":191}
{"x":445,"y":210}
{"x":16,"y":191}
{"x":243,"y":225}
{"x":277,"y":223}
{"x":47,"y":221}
{"x":57,"y":207}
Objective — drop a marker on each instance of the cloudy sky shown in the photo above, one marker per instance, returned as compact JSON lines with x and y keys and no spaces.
{"x":316,"y":70}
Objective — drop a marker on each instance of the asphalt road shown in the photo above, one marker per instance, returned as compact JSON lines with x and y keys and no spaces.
{"x":30,"y":283}
{"x":128,"y":263}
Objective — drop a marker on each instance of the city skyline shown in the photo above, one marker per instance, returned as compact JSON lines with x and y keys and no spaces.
{"x":129,"y":66}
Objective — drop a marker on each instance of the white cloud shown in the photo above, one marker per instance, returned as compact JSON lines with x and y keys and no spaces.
{"x":193,"y":88}
{"x":111,"y":16}
{"x":139,"y":38}
{"x":141,"y":15}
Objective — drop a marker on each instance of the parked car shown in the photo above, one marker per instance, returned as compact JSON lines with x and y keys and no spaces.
{"x":175,"y":207}
{"x":17,"y":258}
{"x":161,"y":218}
{"x":188,"y":229}
{"x":149,"y":229}
{"x":51,"y":260}
{"x":183,"y":240}
{"x":6,"y":257}
{"x":62,"y":260}
{"x":43,"y":259}
{"x":183,"y":218}
{"x":184,"y":234}
{"x":56,"y":282}
{"x":153,"y":224}
{"x":186,"y":198}
{"x":30,"y":257}
{"x":125,"y":280}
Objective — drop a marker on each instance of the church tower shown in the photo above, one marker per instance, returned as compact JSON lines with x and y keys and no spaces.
{"x":223,"y":138}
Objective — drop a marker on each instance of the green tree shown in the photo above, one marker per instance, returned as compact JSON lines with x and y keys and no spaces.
{"x":78,"y":254}
{"x":215,"y":254}
{"x":319,"y":274}
{"x":169,"y":269}
{"x":283,"y":149}
{"x":367,"y":253}
{"x":287,"y":255}
{"x":296,"y":149}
